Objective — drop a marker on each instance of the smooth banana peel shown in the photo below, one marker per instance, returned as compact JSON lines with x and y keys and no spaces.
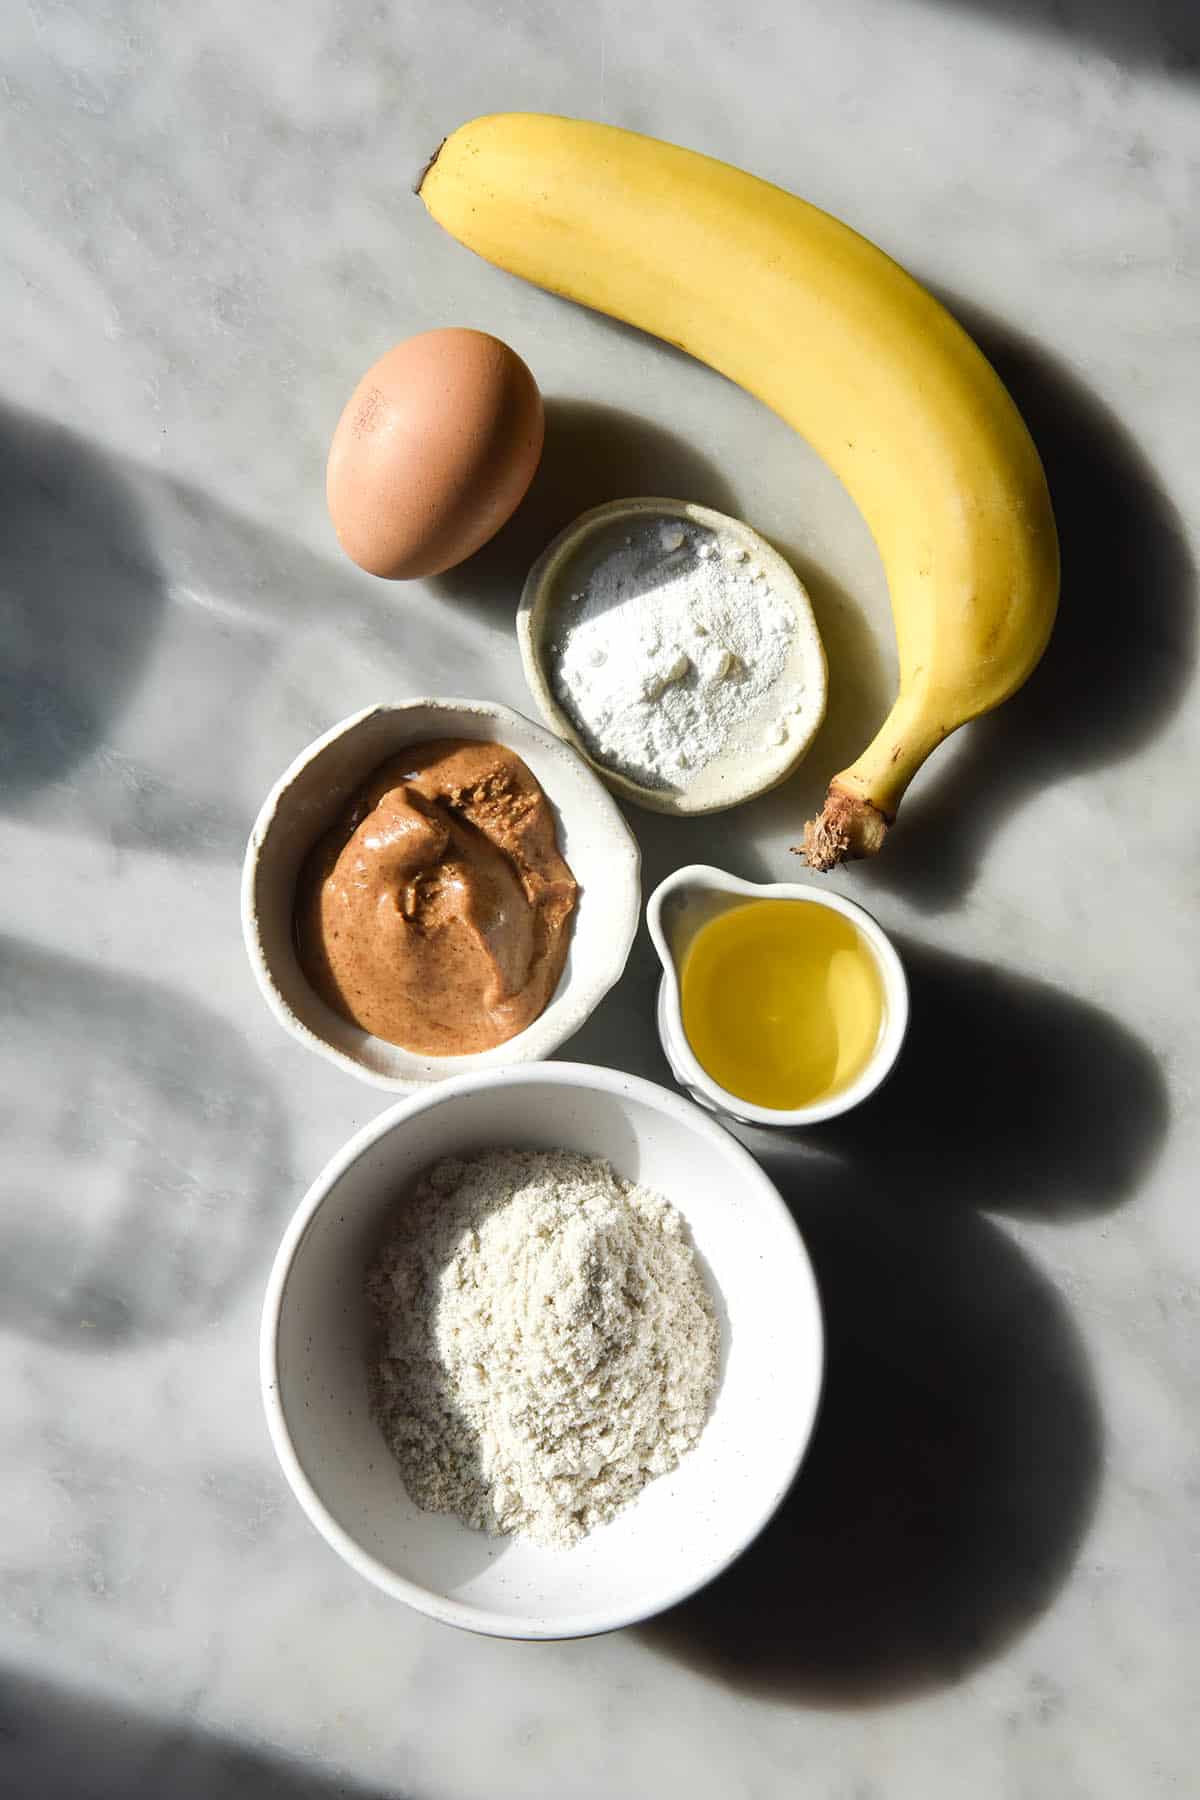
{"x":844,"y":345}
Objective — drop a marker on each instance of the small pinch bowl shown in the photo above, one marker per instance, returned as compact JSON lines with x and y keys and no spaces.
{"x":686,"y":1526}
{"x":738,"y":774}
{"x":309,"y":796}
{"x":687,"y":900}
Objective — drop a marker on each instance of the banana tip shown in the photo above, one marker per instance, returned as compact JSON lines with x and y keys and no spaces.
{"x":419,"y":183}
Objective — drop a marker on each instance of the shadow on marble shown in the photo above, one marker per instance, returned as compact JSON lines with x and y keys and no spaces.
{"x":666,"y":845}
{"x":85,"y":599}
{"x":1156,"y":34}
{"x":1123,"y":651}
{"x":146,"y":1157}
{"x":81,"y":593}
{"x":1011,"y":1096}
{"x":115,"y":658}
{"x":58,"y":1744}
{"x":952,"y":1476}
{"x":861,"y":692}
{"x":593,"y":453}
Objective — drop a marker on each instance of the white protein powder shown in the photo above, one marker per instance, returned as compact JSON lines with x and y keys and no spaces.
{"x":547,"y":1344}
{"x":673,"y":640}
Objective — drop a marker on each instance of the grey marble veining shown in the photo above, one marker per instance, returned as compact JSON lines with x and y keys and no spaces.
{"x":986,"y":1581}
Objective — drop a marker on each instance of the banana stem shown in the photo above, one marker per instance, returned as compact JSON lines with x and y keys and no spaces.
{"x":863,"y":800}
{"x":847,"y":827}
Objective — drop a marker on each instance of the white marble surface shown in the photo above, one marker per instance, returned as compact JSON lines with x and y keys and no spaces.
{"x":987,"y":1581}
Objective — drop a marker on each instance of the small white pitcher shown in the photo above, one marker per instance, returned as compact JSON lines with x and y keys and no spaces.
{"x":688,"y":899}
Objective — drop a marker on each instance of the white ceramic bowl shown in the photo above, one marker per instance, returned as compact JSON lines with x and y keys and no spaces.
{"x":688,"y":899}
{"x":745,"y":769}
{"x":685,"y":1527}
{"x":307,"y":798}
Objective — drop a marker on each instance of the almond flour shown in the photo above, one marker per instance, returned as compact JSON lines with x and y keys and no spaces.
{"x":546,"y":1345}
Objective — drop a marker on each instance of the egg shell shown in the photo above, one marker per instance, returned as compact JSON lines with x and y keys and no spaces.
{"x":433,"y":452}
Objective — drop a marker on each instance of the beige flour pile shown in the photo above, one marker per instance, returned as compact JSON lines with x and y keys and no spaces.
{"x":546,"y":1343}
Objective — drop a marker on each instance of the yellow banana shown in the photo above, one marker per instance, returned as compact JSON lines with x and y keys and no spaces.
{"x":844,"y":345}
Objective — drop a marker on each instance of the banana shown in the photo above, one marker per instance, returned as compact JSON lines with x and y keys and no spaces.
{"x":845,"y":346}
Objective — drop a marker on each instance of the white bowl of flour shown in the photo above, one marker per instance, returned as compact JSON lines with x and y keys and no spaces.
{"x":684,"y":1526}
{"x":676,"y":650}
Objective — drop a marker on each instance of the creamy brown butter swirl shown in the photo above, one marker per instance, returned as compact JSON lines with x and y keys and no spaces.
{"x":436,"y":913}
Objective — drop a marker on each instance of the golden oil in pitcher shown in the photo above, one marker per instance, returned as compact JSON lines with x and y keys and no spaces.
{"x":783,"y":1001}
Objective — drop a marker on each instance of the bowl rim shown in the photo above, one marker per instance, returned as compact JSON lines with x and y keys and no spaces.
{"x":684,"y":1059}
{"x":773,"y":766}
{"x":460,"y":1613}
{"x":619,"y":936}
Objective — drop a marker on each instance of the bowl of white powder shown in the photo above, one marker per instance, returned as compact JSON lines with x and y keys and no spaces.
{"x":676,"y":650}
{"x":524,"y":1345}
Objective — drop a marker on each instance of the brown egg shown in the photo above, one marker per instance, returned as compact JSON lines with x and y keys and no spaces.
{"x":437,"y":445}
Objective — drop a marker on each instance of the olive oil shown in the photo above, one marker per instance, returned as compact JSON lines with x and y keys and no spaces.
{"x":783,"y":1001}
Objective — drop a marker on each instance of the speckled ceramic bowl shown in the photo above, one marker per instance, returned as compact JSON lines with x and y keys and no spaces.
{"x":746,"y":769}
{"x":684,"y":1528}
{"x":308,"y":797}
